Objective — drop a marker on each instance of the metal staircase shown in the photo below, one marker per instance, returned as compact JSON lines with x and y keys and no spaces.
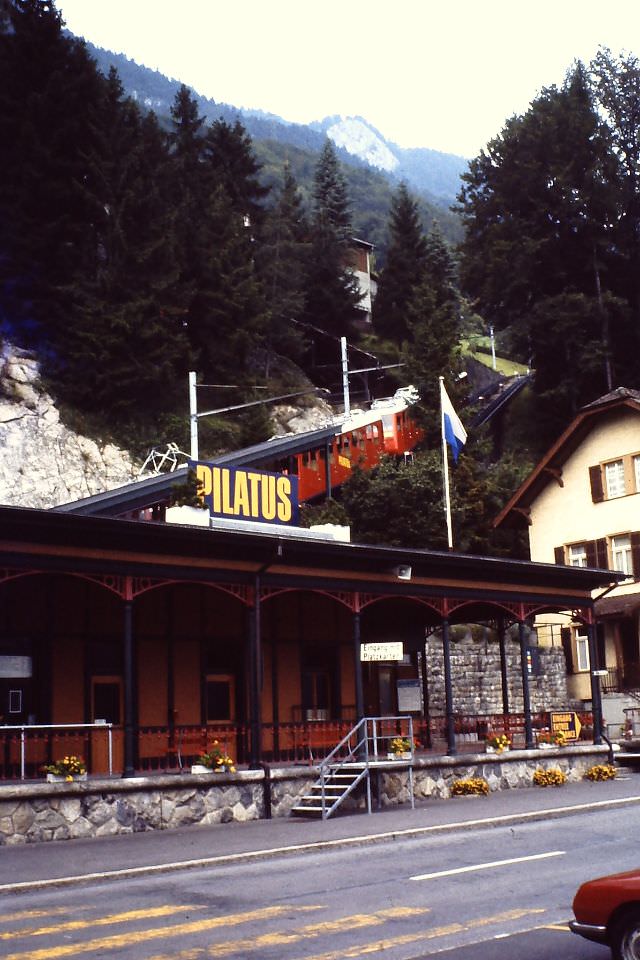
{"x":365,"y":749}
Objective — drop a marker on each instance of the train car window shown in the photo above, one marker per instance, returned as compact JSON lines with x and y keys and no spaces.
{"x":388,"y":425}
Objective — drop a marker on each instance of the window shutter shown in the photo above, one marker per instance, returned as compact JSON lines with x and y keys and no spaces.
{"x":635,"y":554}
{"x":595,"y":479}
{"x":602,"y":554}
{"x":558,"y":555}
{"x":590,"y":551}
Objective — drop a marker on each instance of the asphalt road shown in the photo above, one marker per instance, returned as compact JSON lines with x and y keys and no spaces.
{"x":497,"y":893}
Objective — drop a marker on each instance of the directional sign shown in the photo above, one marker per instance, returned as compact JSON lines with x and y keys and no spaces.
{"x":392,"y":650}
{"x":566,"y":723}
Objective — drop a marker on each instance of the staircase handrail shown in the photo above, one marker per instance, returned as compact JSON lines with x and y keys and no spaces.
{"x":328,"y":765}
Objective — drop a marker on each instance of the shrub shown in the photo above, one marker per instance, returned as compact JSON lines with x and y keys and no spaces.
{"x":472,"y":786}
{"x":554,"y":777}
{"x":601,"y":771}
{"x":499,"y":742}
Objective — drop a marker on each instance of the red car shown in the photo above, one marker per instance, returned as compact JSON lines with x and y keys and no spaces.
{"x":607,"y":910}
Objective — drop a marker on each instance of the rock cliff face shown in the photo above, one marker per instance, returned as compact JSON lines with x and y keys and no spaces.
{"x":42,"y":462}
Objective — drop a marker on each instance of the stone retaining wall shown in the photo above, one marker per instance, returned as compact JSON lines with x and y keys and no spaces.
{"x":31,"y":813}
{"x":476,"y":675}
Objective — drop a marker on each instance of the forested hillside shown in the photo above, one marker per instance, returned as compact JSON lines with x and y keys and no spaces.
{"x":551,"y":253}
{"x":435,"y":177}
{"x":135,"y":248}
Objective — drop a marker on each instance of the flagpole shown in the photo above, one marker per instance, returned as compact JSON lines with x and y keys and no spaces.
{"x":445,"y":470}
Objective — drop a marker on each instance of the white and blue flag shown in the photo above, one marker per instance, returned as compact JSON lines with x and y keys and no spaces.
{"x":453,"y":431}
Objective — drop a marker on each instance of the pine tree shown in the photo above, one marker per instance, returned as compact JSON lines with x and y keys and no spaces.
{"x":125,"y":320}
{"x":48,"y":85}
{"x":332,"y":289}
{"x":404,"y":268}
{"x":281,"y":261}
{"x":228,"y":153}
{"x":433,"y":321}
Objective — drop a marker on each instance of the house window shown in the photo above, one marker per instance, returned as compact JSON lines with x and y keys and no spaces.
{"x":578,"y":555}
{"x":636,"y":472}
{"x":621,"y":554}
{"x":582,"y":652}
{"x":614,"y":478}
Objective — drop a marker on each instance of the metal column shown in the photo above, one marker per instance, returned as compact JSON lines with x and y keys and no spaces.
{"x":448,"y":690}
{"x":526,"y":698}
{"x":130,"y":730}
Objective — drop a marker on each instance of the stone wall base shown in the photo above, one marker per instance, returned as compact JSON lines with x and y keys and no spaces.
{"x":36,"y":812}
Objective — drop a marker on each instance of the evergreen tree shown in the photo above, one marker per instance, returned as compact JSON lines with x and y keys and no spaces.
{"x":48,"y":86}
{"x":617,"y":86}
{"x":228,"y":153}
{"x":404,"y":269}
{"x":433,"y":322}
{"x":281,"y":261}
{"x":125,"y":319}
{"x":538,"y":208}
{"x":332,"y":288}
{"x":225,"y":314}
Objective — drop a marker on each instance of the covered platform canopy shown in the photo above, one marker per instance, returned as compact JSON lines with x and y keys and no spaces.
{"x":131,"y":559}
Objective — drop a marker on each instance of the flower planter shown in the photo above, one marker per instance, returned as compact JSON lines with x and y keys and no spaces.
{"x":399,"y":756}
{"x":65,"y":778}
{"x":199,"y":768}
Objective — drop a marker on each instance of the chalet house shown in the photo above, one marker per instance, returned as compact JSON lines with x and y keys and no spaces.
{"x":582,"y":507}
{"x":359,"y":260}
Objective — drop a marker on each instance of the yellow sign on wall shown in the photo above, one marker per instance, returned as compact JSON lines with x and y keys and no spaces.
{"x":567,"y":723}
{"x":245,"y":494}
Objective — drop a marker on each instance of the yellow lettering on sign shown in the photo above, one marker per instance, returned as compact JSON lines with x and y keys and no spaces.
{"x":283,"y":487}
{"x":217,"y":490}
{"x":227,"y":506}
{"x":254,"y":487}
{"x":203,"y":477}
{"x":268,"y":497}
{"x":241,"y":502}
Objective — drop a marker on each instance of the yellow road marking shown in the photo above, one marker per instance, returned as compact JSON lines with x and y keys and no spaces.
{"x":36,"y":914}
{"x":349,"y":953}
{"x":181,"y":929}
{"x":280,"y":939}
{"x":98,"y":921}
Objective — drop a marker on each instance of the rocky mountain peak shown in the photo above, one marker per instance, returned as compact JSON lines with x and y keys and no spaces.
{"x":361,"y":140}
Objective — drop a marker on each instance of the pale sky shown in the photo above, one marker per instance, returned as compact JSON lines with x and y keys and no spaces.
{"x":444,"y":75}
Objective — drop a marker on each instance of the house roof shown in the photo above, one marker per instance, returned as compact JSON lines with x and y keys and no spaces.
{"x":614,"y":607}
{"x":550,"y":466}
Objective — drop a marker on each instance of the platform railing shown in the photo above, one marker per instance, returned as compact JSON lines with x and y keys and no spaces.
{"x":28,"y":747}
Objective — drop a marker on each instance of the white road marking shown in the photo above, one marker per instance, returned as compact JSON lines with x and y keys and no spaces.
{"x":488,"y":866}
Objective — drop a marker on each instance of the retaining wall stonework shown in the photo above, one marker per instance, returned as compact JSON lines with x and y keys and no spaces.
{"x":32,"y":813}
{"x":476,"y":676}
